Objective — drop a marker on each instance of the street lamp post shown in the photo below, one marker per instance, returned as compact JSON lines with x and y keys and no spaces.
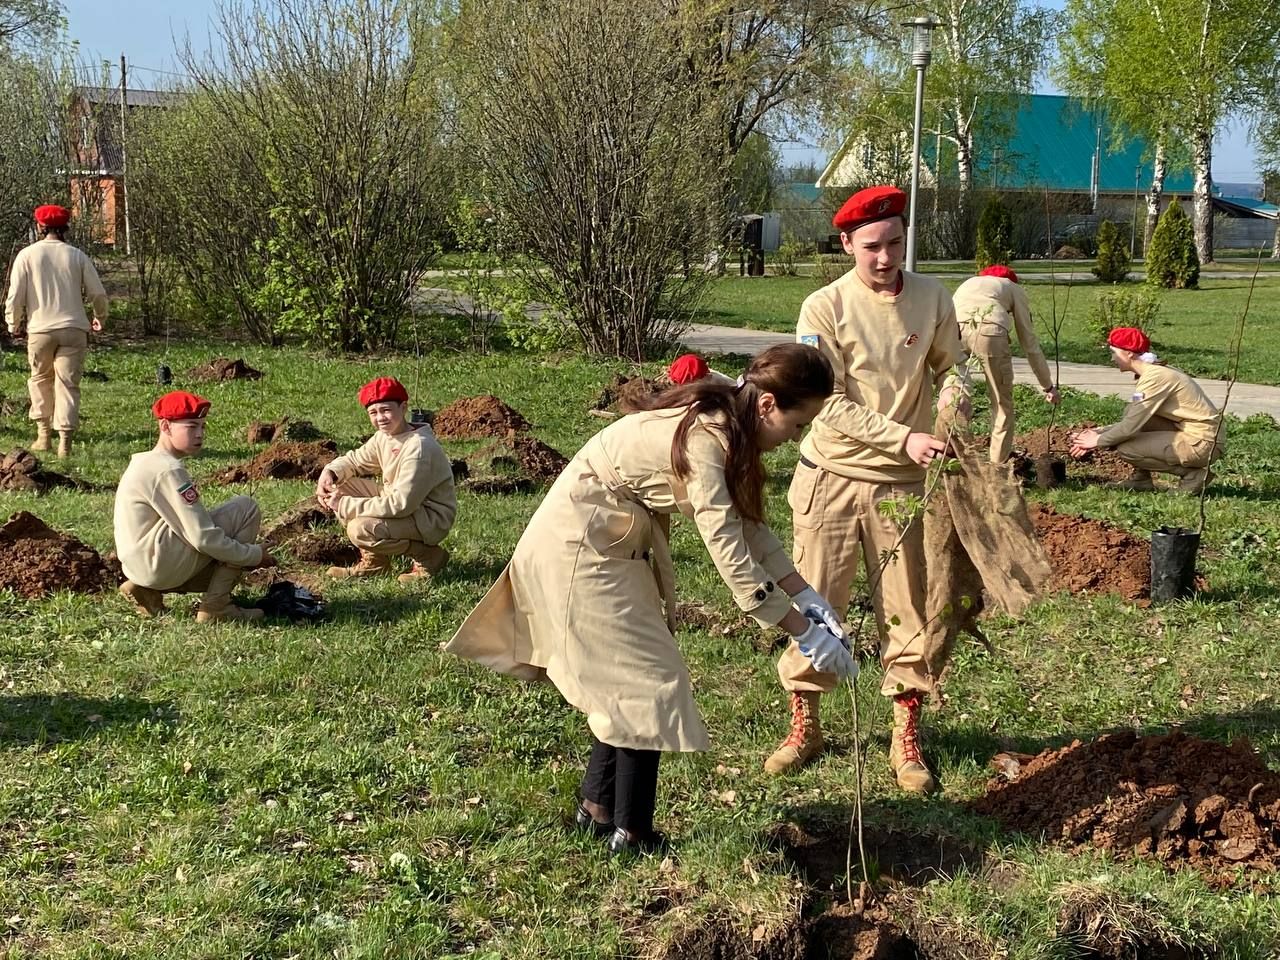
{"x":921,"y":53}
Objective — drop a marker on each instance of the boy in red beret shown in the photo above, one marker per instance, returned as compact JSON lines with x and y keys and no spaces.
{"x":167,"y":540}
{"x":1169,"y":426}
{"x":892,"y":339}
{"x":414,"y":508}
{"x":989,"y":308}
{"x":48,"y":284}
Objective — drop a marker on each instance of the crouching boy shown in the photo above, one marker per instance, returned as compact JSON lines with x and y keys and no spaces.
{"x":414,"y":508}
{"x":167,"y":541}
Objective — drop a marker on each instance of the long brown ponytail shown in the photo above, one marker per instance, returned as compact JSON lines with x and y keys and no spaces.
{"x":794,"y":373}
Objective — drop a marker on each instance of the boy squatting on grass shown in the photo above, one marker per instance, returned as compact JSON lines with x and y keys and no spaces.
{"x":166,"y":540}
{"x":416,"y":505}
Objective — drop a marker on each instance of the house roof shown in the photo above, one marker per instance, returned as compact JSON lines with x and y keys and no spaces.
{"x":133,"y":97}
{"x":1050,"y":146}
{"x":1258,"y":208}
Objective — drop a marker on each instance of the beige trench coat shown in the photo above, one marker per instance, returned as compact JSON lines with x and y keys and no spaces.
{"x":582,"y":601}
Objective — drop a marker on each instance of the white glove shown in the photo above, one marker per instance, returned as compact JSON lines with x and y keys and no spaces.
{"x":827,"y":652}
{"x":814,"y":606}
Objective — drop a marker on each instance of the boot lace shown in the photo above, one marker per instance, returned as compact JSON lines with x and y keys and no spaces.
{"x":910,"y":738}
{"x":795,"y":738}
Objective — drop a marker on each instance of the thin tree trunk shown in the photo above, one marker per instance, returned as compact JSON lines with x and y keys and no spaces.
{"x":1202,"y":195}
{"x":1275,"y":242}
{"x":1160,"y":169}
{"x":964,"y":159}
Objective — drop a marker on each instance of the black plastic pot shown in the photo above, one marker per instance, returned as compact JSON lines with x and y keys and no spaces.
{"x":1173,"y":563}
{"x":419,"y":416}
{"x":164,"y":374}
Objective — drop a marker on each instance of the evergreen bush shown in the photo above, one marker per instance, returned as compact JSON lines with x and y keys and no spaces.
{"x":1172,"y":261}
{"x":1113,"y":255}
{"x":995,"y":235}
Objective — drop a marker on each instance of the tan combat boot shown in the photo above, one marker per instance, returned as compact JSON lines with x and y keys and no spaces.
{"x":1139,"y":480}
{"x":149,"y":603}
{"x":428,"y":560}
{"x":64,"y":443}
{"x":44,"y":436}
{"x":216,"y":605}
{"x":904,"y":751}
{"x":1194,"y":480}
{"x":804,"y":742}
{"x":369,"y":565}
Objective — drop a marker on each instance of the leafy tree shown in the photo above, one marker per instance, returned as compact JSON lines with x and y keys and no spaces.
{"x":1192,"y":65}
{"x":995,"y":234}
{"x":1113,"y":255}
{"x":1172,"y":261}
{"x":27,"y":22}
{"x":598,"y":158}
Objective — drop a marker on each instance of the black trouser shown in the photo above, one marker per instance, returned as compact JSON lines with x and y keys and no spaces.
{"x":625,"y":782}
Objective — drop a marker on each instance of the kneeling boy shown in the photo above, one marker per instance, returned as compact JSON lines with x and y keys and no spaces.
{"x":415,"y":507}
{"x":166,"y":540}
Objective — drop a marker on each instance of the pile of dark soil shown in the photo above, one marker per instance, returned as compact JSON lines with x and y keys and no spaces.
{"x":1089,"y":556}
{"x":1177,"y":798}
{"x":298,"y":431}
{"x":298,"y":519}
{"x":36,"y":560}
{"x":283,"y":461}
{"x":472,"y":418}
{"x":622,"y":392}
{"x":838,"y":934}
{"x":1100,"y":466}
{"x":20,"y":470}
{"x":326,"y":548}
{"x":518,"y":464}
{"x":224,"y":368}
{"x":1068,"y":252}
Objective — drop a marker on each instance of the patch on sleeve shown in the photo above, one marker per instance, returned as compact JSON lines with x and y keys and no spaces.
{"x":188,"y":492}
{"x":811,"y":340}
{"x":1139,"y":396}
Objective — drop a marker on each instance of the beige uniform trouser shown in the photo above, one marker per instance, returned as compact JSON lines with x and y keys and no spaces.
{"x":1161,"y":447}
{"x":240,"y":519}
{"x":834,"y":518}
{"x":385,"y":536}
{"x":57,"y":360}
{"x":997,"y":367}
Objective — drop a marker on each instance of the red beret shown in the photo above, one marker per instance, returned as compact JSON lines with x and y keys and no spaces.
{"x":180,"y":405}
{"x":52,"y":215}
{"x":687,"y":369}
{"x":998,"y":270}
{"x":1129,"y":338}
{"x":383,"y":390}
{"x":868,"y":206}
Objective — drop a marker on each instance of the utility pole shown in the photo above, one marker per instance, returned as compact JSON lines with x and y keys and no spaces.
{"x":124,"y":156}
{"x":1133,"y":234}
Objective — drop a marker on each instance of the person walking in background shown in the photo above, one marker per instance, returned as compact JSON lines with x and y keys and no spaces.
{"x":989,"y":308}
{"x":48,"y":284}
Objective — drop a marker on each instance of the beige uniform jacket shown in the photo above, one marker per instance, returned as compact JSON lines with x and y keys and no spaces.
{"x":48,"y":285}
{"x":417,"y":481}
{"x":989,"y":310}
{"x":581,"y":603}
{"x":163,"y":530}
{"x":1168,"y":393}
{"x":888,"y":353}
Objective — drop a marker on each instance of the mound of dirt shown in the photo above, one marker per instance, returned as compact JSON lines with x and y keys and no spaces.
{"x":298,"y":519}
{"x":36,"y":560}
{"x":472,"y":418}
{"x":1068,"y":252}
{"x":326,"y":548}
{"x":1089,"y":556}
{"x":224,"y":368}
{"x":525,"y":455}
{"x":840,"y":933}
{"x":622,"y":392}
{"x":1098,"y":466}
{"x":501,"y":485}
{"x":20,"y":470}
{"x":1177,"y":798}
{"x":283,"y":461}
{"x":298,"y":431}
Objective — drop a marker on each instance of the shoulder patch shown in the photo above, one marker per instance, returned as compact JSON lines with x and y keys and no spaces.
{"x":188,"y":492}
{"x":1139,"y":396}
{"x":811,"y":340}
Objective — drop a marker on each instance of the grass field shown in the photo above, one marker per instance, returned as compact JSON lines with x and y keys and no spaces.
{"x":349,"y":791}
{"x":1193,"y":333}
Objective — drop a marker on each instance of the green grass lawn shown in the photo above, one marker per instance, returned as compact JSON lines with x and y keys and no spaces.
{"x":347,"y":790}
{"x":1193,"y":333}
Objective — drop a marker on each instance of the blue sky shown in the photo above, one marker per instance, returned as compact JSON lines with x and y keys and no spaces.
{"x":145,"y":30}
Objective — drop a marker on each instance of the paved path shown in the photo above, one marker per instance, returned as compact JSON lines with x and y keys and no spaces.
{"x":1246,"y":398}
